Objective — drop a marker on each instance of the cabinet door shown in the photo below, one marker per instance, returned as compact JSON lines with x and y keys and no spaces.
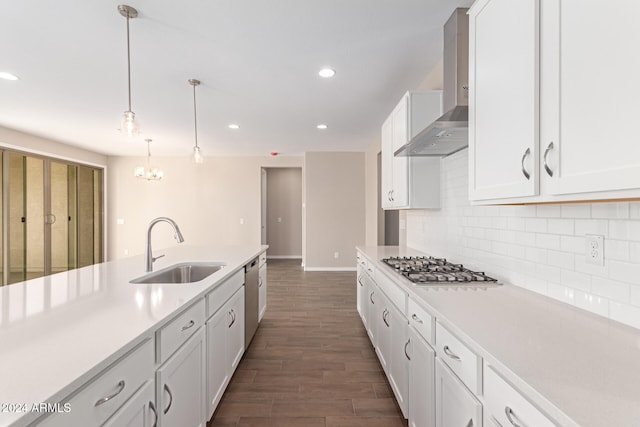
{"x":217,"y":372}
{"x":361,"y":294}
{"x":400,"y":189}
{"x":235,"y":332}
{"x":503,"y":99}
{"x":421,"y":382}
{"x":262,"y":291}
{"x":387,"y":163}
{"x":455,"y":404}
{"x":180,"y":385}
{"x":590,"y":108}
{"x":399,"y":355}
{"x":139,"y":411}
{"x":372,"y":309}
{"x":383,"y":331}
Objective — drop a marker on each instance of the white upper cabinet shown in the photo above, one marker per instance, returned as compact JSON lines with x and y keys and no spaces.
{"x":552,"y":103}
{"x":410,"y":182}
{"x":590,"y":102}
{"x":503,"y":99}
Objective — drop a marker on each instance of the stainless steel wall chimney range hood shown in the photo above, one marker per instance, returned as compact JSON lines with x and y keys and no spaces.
{"x":450,"y":133}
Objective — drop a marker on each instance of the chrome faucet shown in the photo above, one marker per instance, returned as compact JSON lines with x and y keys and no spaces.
{"x":148,"y":253}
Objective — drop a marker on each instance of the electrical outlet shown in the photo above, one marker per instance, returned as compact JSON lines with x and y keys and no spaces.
{"x":594,"y":249}
{"x":336,"y":255}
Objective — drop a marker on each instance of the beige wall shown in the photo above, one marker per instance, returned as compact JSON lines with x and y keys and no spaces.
{"x":207,"y":201}
{"x":284,"y":212}
{"x":334,"y":186}
{"x":374,"y":226}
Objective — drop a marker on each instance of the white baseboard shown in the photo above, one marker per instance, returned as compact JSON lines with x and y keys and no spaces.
{"x":284,"y":256}
{"x":329,"y":269}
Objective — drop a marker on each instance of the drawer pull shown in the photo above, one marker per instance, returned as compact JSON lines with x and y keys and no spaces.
{"x":450,"y":353}
{"x":470,"y":423}
{"x":405,"y":349}
{"x":260,"y":282}
{"x":111,"y":396}
{"x":511,"y":416}
{"x":371,"y":298}
{"x":166,"y":387}
{"x":188,"y":325}
{"x":546,"y":163}
{"x":524,"y":157}
{"x":360,"y":281}
{"x":155,"y":414}
{"x":370,"y":270}
{"x":416,"y":318}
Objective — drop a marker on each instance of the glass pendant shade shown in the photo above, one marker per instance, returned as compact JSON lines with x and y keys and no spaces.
{"x":197,"y":156}
{"x":128,"y":125}
{"x":148,"y":172}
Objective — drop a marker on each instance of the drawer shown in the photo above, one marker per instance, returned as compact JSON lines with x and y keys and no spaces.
{"x":176,"y":332}
{"x":263,"y":258}
{"x":221,"y":294}
{"x":420,"y":320}
{"x":107,"y":392}
{"x":505,"y":406}
{"x":395,"y":294}
{"x":465,"y":363}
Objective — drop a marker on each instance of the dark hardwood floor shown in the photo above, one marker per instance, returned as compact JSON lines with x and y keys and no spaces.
{"x":311,"y":363}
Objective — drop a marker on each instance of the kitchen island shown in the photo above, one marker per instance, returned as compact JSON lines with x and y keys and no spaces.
{"x":60,"y":331}
{"x":503,"y":344}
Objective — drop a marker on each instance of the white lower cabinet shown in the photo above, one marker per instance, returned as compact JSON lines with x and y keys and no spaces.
{"x":361,"y":293}
{"x":504,"y":406}
{"x":225,"y":347}
{"x":383,"y":331}
{"x":398,"y":371}
{"x":456,"y":406}
{"x":262,"y":290}
{"x":180,"y":385}
{"x":421,"y":382}
{"x":139,"y":411}
{"x":102,"y":396}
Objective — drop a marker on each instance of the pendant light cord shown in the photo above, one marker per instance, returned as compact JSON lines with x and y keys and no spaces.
{"x":128,"y":63}
{"x":195,"y":115}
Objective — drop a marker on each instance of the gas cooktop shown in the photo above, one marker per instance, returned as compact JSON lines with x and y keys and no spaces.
{"x":438,"y":271}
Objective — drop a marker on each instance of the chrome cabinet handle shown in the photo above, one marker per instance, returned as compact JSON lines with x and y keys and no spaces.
{"x":416,"y":318}
{"x":371,"y":298}
{"x":511,"y":416}
{"x":111,"y":396}
{"x":546,"y":163}
{"x":389,"y":195}
{"x":166,"y":387}
{"x":369,"y":270}
{"x":393,"y":199}
{"x":470,"y":423}
{"x":188,"y":325}
{"x":384,"y":317}
{"x":451,"y":354}
{"x":524,"y":170}
{"x":155,"y":414}
{"x":233,"y":317}
{"x":405,"y":348}
{"x":360,"y":281}
{"x":260,"y":282}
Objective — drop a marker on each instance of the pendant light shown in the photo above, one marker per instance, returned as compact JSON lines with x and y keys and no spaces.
{"x":197,"y":156}
{"x":128,"y":125}
{"x":148,"y":172}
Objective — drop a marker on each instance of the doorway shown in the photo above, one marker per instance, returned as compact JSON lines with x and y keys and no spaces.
{"x":51,"y":216}
{"x":281,"y":212}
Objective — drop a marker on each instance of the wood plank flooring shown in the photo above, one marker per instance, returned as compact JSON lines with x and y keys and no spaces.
{"x":311,"y":363}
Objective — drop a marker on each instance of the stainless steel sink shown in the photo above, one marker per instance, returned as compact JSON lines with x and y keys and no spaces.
{"x":186,"y":272}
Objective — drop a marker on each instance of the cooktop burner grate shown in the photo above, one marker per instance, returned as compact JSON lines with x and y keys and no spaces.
{"x":430,"y":270}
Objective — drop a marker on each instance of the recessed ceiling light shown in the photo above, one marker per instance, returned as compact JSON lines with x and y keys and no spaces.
{"x":234,"y":126}
{"x":327,"y":72}
{"x":8,"y":76}
{"x":321,"y":126}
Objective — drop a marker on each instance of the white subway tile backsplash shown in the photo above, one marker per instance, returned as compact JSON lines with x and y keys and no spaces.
{"x":560,"y":226}
{"x":538,"y":247}
{"x":576,"y":211}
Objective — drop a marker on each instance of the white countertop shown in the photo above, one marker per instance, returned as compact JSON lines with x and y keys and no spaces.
{"x":57,"y":332}
{"x":579,"y":368}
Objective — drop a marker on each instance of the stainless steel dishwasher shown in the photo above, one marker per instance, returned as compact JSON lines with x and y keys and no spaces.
{"x":250,"y":301}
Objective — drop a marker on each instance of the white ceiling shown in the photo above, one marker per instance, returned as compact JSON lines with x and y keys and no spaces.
{"x":258,"y":62}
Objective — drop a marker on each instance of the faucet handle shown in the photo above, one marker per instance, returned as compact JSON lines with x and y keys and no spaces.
{"x":153,"y":259}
